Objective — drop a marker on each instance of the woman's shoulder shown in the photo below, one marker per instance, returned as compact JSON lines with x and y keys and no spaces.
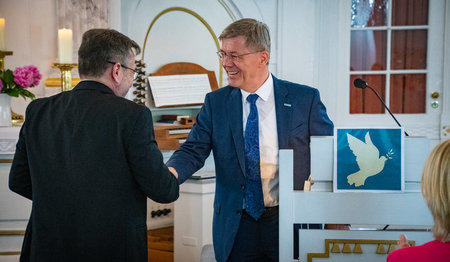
{"x":430,"y":251}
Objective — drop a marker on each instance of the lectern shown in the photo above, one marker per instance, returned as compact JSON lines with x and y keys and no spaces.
{"x":367,"y":213}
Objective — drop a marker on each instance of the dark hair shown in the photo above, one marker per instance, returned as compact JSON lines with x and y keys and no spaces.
{"x":99,"y":46}
{"x":256,"y":33}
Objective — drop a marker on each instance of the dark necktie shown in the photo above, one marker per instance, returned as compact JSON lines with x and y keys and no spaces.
{"x":254,"y":201}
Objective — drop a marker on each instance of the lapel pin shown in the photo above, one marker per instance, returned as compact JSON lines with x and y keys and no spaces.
{"x":289,"y":105}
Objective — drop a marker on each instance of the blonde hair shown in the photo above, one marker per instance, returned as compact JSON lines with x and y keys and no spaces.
{"x":436,"y":189}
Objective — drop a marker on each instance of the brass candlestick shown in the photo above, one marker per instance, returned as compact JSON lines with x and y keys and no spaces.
{"x":66,"y":75}
{"x":2,"y":58}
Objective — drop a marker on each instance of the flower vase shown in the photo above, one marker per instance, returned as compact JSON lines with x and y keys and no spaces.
{"x":5,"y":110}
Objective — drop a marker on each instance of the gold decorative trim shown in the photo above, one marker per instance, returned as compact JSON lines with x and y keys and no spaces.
{"x":357,"y":248}
{"x":56,"y":82}
{"x":9,"y":253}
{"x":66,"y":74}
{"x":2,"y":58}
{"x":12,"y":232}
{"x":5,"y":161}
{"x":17,"y":118}
{"x":203,"y":21}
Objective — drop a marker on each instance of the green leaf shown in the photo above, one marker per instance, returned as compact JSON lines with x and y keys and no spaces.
{"x":12,"y":92}
{"x":8,"y":77}
{"x":26,"y":93}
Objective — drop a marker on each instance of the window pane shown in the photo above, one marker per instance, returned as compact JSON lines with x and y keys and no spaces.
{"x":409,"y":12}
{"x":409,"y":49}
{"x":407,"y":93}
{"x":368,"y":50}
{"x":369,"y":13}
{"x":364,"y":100}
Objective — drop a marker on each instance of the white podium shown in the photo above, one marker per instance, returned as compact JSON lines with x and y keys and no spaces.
{"x":194,"y":213}
{"x":193,"y":219}
{"x":368,"y":213}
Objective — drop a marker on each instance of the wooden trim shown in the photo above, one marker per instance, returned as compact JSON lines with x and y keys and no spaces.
{"x":5,"y":161}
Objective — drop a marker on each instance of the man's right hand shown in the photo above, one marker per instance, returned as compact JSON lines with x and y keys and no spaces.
{"x":173,"y":171}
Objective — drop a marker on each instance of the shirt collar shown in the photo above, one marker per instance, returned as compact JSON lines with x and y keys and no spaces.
{"x":263,"y":91}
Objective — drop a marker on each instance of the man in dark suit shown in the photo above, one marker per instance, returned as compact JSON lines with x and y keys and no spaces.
{"x":88,"y":160}
{"x":245,"y":124}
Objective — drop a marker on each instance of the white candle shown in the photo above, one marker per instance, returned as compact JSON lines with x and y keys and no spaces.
{"x":65,"y":46}
{"x":2,"y":35}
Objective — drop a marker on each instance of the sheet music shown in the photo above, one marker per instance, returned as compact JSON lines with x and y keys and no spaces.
{"x":179,"y":89}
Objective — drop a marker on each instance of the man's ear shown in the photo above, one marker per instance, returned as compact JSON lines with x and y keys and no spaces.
{"x":264,"y":58}
{"x":116,"y":74}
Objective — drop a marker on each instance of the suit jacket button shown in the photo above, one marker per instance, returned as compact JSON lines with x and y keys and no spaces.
{"x":243,"y":186}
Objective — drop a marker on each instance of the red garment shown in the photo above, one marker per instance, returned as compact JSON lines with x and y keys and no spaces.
{"x":435,"y":251}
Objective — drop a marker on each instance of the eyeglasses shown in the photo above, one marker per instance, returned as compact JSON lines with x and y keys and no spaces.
{"x":235,"y":58}
{"x":126,"y":67}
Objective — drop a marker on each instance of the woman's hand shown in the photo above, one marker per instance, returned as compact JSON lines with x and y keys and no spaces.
{"x":403,"y":242}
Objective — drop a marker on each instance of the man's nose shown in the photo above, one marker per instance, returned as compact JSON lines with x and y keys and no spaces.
{"x":227,"y":60}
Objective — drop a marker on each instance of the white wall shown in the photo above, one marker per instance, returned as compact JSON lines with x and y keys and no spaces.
{"x":301,"y":47}
{"x":307,"y":39}
{"x":308,"y":46}
{"x":180,"y":37}
{"x":31,"y":33}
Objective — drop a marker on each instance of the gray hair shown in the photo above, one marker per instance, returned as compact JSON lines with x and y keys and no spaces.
{"x":256,"y":33}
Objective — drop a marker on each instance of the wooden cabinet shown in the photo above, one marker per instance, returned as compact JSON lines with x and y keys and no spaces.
{"x":160,"y":245}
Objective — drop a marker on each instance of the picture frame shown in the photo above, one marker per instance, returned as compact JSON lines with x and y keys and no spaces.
{"x":368,"y":159}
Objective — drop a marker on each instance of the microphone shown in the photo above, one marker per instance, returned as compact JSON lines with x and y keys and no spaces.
{"x":359,"y":83}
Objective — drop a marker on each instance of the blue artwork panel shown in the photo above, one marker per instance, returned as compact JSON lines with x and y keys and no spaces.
{"x":369,"y":159}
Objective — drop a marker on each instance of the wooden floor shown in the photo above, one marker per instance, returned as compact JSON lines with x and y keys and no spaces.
{"x":160,"y":245}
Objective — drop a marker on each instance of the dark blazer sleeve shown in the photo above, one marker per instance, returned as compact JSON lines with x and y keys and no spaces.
{"x":319,"y":122}
{"x":19,"y":174}
{"x":191,"y":155}
{"x":146,"y":162}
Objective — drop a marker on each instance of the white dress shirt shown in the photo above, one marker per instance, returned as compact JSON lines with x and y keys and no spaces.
{"x":268,"y":138}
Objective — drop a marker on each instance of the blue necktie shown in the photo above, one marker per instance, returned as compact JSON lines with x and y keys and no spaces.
{"x":254,"y":201}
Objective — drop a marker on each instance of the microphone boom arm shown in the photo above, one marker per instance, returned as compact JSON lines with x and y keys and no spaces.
{"x":385,"y":106}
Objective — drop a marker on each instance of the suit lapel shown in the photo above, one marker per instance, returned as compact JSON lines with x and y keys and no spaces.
{"x":284,"y":109}
{"x":235,"y":119}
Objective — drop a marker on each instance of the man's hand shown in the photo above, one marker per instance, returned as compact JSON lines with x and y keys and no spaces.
{"x":173,"y":171}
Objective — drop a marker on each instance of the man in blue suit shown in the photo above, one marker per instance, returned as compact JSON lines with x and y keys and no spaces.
{"x":245,"y":135}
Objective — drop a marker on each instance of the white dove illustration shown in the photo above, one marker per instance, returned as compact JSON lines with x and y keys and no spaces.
{"x":368,"y":159}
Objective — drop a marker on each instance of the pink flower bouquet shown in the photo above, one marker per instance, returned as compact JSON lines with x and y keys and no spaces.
{"x":16,"y":83}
